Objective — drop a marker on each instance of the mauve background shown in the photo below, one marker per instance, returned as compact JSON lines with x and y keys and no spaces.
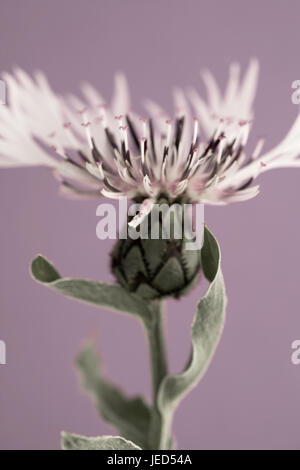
{"x":249,"y":399}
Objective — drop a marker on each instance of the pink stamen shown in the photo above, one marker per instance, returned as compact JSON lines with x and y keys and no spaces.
{"x":52,"y":135}
{"x":66,"y":125}
{"x":123,"y":130}
{"x":82,"y":111}
{"x":169,"y":130}
{"x":118,"y":118}
{"x":144,"y":122}
{"x":86,"y":124}
{"x":173,"y":187}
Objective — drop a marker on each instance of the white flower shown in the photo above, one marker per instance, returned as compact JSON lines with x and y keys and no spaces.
{"x":94,"y":148}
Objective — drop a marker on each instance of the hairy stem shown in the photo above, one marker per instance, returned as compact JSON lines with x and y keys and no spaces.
{"x":157,"y":349}
{"x":159,"y":429}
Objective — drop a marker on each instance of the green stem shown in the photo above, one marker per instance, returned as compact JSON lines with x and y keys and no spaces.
{"x":159,"y":429}
{"x":157,"y":349}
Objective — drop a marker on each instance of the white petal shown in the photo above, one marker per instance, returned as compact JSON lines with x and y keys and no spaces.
{"x":243,"y":195}
{"x":76,"y":173}
{"x":233,"y":83}
{"x":112,"y":195}
{"x":72,"y":192}
{"x":91,"y":94}
{"x":158,"y":114}
{"x":120,"y":101}
{"x":213,"y":92}
{"x":248,"y":88}
{"x":183,"y":110}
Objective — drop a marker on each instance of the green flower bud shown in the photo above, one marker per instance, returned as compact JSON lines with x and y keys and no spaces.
{"x":155,"y":268}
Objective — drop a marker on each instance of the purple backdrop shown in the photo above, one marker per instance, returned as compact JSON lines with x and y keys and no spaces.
{"x":250,"y":396}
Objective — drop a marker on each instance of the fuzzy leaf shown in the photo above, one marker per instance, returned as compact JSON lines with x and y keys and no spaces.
{"x":206,"y":330}
{"x":109,"y":296}
{"x":130,"y":416}
{"x":77,"y":442}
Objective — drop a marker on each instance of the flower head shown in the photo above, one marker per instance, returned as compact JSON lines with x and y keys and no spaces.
{"x":98,"y":149}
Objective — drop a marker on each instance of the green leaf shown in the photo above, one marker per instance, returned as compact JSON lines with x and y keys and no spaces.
{"x":109,"y":296}
{"x":206,"y":331}
{"x":77,"y":442}
{"x":130,"y":416}
{"x":210,"y":256}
